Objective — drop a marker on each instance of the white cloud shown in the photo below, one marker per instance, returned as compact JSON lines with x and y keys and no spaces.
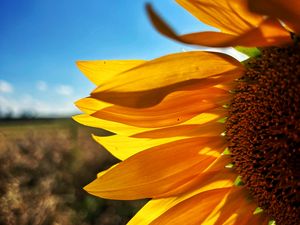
{"x":65,"y":90}
{"x":5,"y":87}
{"x":41,"y":85}
{"x":30,"y":104}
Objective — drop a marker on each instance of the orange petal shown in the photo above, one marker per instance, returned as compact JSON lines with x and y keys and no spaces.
{"x":176,"y":108}
{"x":118,"y":128}
{"x":91,"y":105}
{"x":127,"y":130}
{"x":214,"y":177}
{"x":157,"y":170}
{"x":100,"y":71}
{"x":123,"y":147}
{"x":237,"y":209}
{"x":156,"y":207}
{"x":171,"y":69}
{"x":261,"y":219}
{"x":230,"y":16}
{"x":143,"y":99}
{"x":269,"y":32}
{"x":193,"y":210}
{"x":147,"y":84}
{"x":201,"y":130}
{"x":286,"y":10}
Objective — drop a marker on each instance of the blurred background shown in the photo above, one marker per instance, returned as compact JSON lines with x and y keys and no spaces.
{"x":45,"y":157}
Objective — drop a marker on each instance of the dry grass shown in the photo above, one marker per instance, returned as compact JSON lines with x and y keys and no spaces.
{"x":43,"y":167}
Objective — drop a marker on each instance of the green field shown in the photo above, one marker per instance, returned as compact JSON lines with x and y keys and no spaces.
{"x":43,"y":166}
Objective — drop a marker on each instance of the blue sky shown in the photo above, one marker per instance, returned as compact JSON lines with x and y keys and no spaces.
{"x":41,"y":40}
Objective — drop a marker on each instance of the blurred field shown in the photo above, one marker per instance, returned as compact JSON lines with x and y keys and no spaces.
{"x":43,"y":166}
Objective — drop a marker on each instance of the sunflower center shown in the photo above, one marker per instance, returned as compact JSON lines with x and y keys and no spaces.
{"x":263,"y":130}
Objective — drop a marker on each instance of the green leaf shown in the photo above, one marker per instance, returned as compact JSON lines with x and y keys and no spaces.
{"x":251,"y":52}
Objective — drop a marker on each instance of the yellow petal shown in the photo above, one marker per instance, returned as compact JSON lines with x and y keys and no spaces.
{"x":143,"y":99}
{"x":91,"y":105}
{"x":230,"y":16}
{"x":127,"y":130}
{"x":157,"y":170}
{"x":286,"y":10}
{"x":153,"y":209}
{"x":260,"y":218}
{"x":123,"y":147}
{"x":193,"y":210}
{"x":105,"y":171}
{"x":111,"y":126}
{"x":171,"y":69}
{"x":100,"y":71}
{"x":214,"y":177}
{"x":210,"y":181}
{"x":176,"y":108}
{"x":200,"y":130}
{"x":237,"y":209}
{"x":211,"y":93}
{"x":147,"y":84}
{"x":269,"y":32}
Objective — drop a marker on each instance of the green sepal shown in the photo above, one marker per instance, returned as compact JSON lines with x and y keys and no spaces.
{"x":251,"y":52}
{"x":238,"y":181}
{"x":229,"y":166}
{"x":226,"y":152}
{"x":272,"y":222}
{"x":257,"y":210}
{"x":222,"y":120}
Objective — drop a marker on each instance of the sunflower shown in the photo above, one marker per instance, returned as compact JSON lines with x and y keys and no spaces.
{"x":208,"y":139}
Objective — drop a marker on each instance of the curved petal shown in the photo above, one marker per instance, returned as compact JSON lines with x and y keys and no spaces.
{"x":127,"y":130}
{"x":91,"y":105}
{"x":230,"y":16}
{"x":190,"y":130}
{"x":153,"y":209}
{"x":193,"y":210}
{"x":212,"y":92}
{"x":175,"y":109}
{"x":269,"y":32}
{"x":100,"y":71}
{"x":123,"y":147}
{"x":213,"y":177}
{"x":208,"y":207}
{"x":156,"y":207}
{"x":111,"y":126}
{"x":286,"y":10}
{"x":171,"y":69}
{"x":147,"y":84}
{"x":157,"y":170}
{"x":236,"y":210}
{"x":143,"y":99}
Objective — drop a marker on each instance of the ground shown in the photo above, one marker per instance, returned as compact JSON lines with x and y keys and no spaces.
{"x":43,"y":166}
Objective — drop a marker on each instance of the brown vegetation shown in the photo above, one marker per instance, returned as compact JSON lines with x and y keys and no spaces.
{"x":43,"y":167}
